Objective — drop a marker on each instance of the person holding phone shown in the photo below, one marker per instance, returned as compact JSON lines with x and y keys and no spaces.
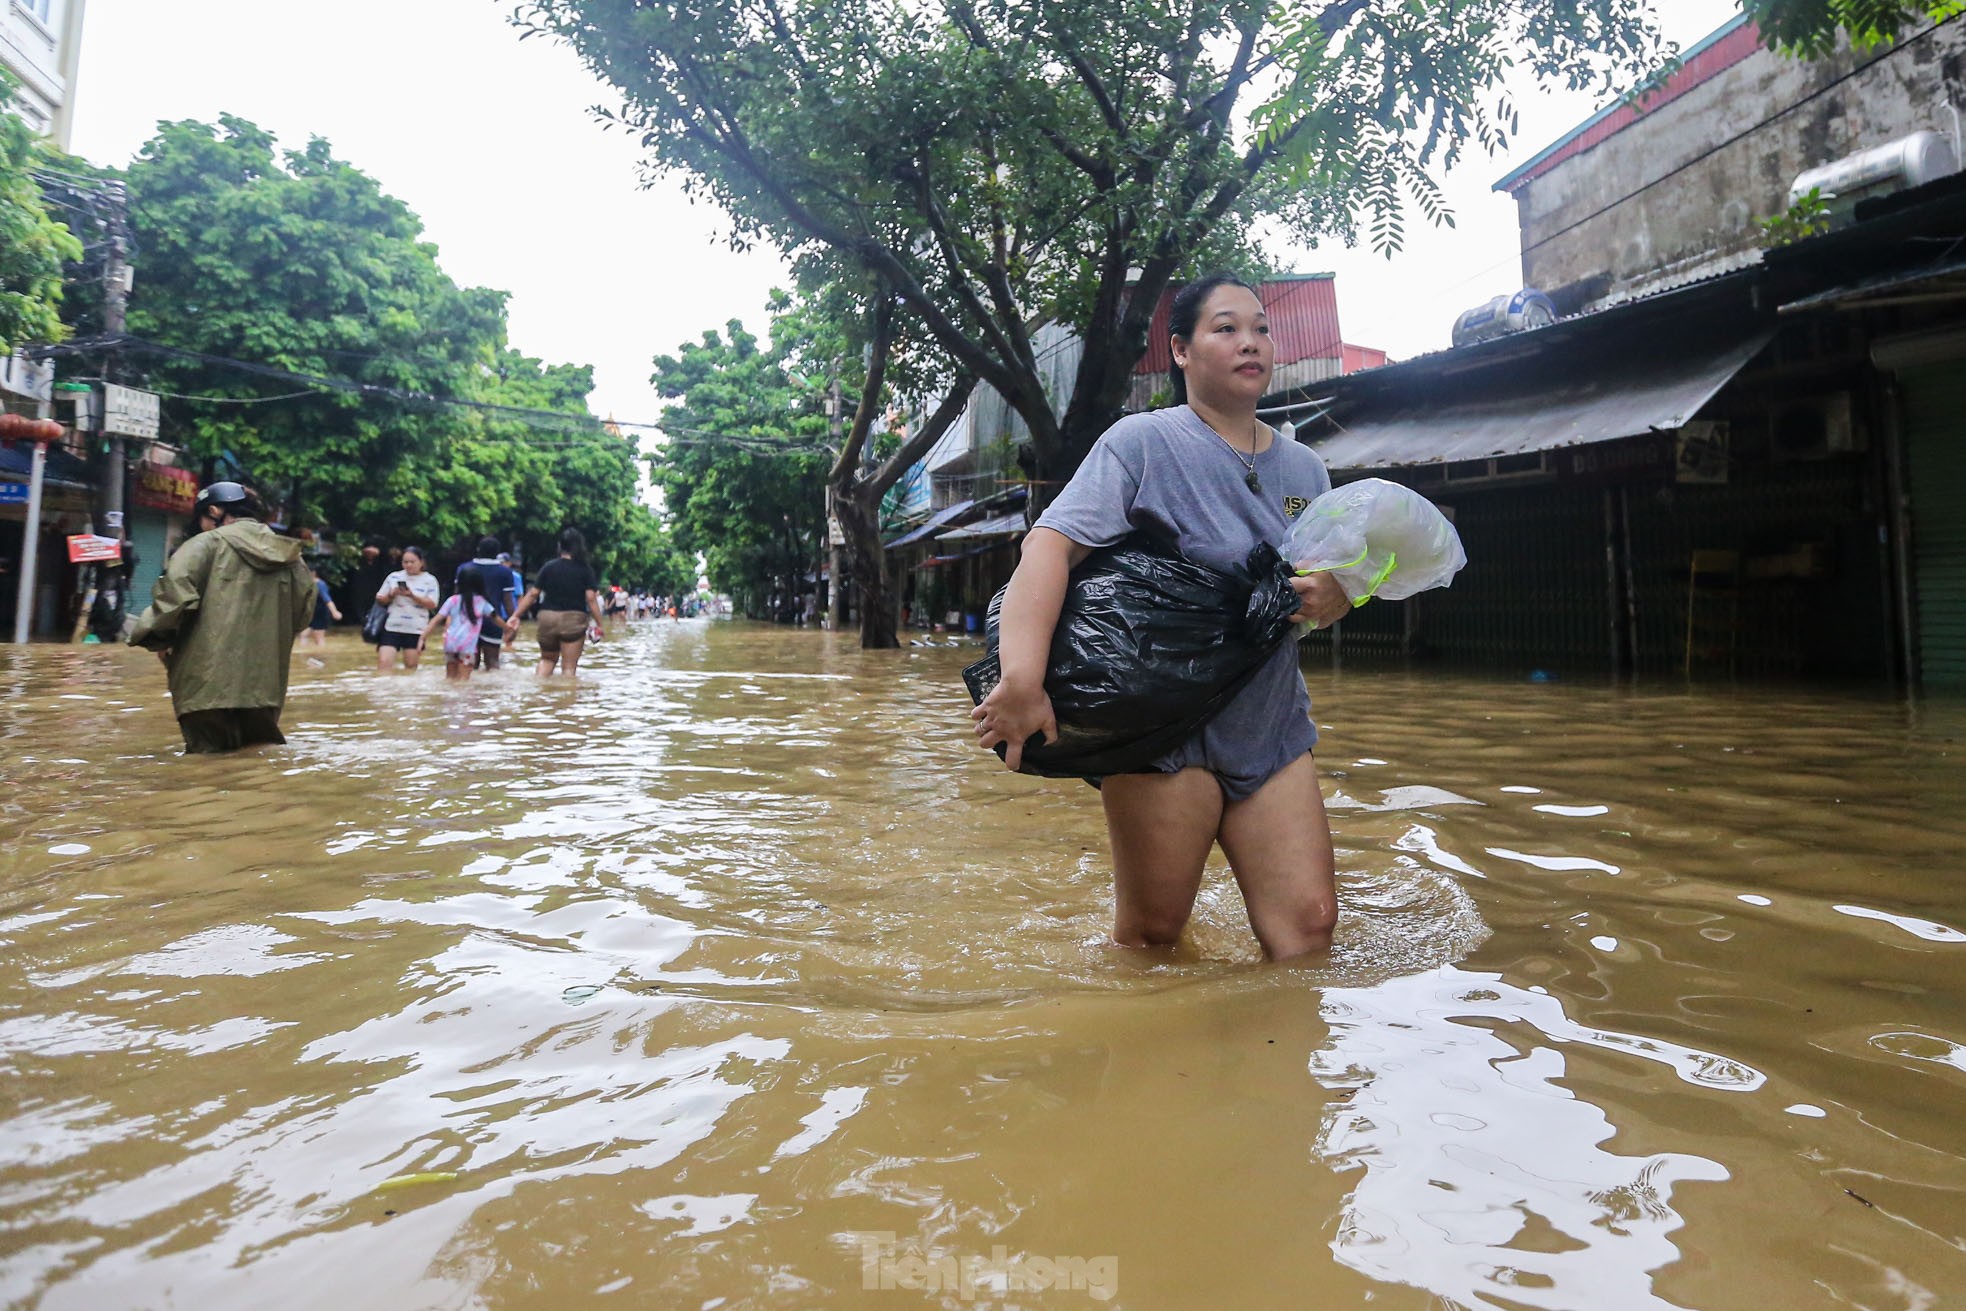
{"x":411,"y":593}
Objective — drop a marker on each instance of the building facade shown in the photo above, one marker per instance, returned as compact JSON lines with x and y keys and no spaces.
{"x":40,"y":44}
{"x":1660,"y":191}
{"x":1731,"y":458}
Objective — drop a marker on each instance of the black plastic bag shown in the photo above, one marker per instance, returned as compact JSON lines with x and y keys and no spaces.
{"x":375,"y":623}
{"x":1148,"y":647}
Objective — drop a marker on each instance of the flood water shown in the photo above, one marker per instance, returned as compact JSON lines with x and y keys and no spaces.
{"x":734,"y":977}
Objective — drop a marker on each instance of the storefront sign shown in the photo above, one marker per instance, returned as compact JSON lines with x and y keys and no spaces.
{"x":1633,"y":459}
{"x":128,"y":411}
{"x":87,"y":548}
{"x":13,"y":493}
{"x":160,"y":487}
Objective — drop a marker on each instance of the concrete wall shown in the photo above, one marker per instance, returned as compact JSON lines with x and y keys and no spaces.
{"x":1697,"y":174}
{"x":39,"y":44}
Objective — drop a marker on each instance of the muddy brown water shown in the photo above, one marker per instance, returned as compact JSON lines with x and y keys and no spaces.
{"x":734,"y":977}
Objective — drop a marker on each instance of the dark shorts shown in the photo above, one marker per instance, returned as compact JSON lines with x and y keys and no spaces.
{"x":557,"y":628}
{"x":210,"y":731}
{"x":321,"y":621}
{"x":401,"y":641}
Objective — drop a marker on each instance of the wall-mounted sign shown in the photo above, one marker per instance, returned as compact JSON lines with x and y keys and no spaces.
{"x":87,"y":548}
{"x":128,"y":411}
{"x":160,"y":487}
{"x":33,"y":379}
{"x":1702,"y":453}
{"x":13,"y":493}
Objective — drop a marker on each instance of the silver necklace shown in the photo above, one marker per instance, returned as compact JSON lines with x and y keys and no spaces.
{"x":1249,"y":478}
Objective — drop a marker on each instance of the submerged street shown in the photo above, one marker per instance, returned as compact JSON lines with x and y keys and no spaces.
{"x":734,"y":974}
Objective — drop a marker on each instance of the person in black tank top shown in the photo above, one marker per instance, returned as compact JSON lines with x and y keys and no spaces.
{"x":569,"y":607}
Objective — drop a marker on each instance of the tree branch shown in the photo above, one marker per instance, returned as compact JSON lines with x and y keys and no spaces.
{"x":880,"y":343}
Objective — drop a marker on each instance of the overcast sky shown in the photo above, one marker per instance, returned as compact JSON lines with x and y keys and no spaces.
{"x":488,"y":139}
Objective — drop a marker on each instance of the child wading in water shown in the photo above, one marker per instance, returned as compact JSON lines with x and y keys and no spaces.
{"x":466,"y":613}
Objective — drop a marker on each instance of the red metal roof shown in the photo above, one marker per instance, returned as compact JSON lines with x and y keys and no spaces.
{"x":1360,"y":358}
{"x":1714,"y":55}
{"x":1303,"y":314}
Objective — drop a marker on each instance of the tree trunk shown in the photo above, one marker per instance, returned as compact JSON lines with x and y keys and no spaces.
{"x":859,"y":511}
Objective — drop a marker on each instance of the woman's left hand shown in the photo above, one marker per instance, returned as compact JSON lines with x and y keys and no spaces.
{"x":1321,"y":602}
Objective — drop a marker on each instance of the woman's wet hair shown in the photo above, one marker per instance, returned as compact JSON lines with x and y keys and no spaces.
{"x":1186,"y":310}
{"x":471,"y":583}
{"x":573,"y":544}
{"x":418,"y":552}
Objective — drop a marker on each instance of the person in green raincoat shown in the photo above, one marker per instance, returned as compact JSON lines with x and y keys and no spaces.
{"x":223,"y":620}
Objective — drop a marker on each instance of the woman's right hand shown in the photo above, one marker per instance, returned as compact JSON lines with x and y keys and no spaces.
{"x":1010,"y":715}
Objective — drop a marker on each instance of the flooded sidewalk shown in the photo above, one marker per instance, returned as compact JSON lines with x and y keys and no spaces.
{"x":734,"y":976}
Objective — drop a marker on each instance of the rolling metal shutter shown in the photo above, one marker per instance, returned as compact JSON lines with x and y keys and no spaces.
{"x":1935,"y":459}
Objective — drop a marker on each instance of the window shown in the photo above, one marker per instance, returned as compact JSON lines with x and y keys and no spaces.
{"x":38,"y":8}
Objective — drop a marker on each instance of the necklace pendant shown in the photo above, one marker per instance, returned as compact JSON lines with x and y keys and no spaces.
{"x":1255,"y":483}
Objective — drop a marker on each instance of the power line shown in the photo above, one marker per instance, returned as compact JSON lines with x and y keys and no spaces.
{"x":320,"y":383}
{"x":1745,"y":132}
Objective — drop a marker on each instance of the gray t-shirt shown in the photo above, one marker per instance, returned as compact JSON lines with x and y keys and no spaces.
{"x":1168,"y":473}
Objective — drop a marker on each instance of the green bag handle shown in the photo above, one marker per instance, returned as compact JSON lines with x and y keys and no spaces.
{"x":1378,"y":581}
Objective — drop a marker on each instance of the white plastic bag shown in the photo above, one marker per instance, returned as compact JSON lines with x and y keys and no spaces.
{"x":1377,"y":538}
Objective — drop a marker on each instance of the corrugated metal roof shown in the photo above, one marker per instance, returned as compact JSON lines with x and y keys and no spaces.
{"x":1622,"y":398}
{"x":1303,"y":314}
{"x":1719,"y":51}
{"x":1004,"y":525}
{"x":936,"y":520}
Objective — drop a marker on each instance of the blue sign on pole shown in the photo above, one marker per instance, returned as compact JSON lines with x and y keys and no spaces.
{"x":13,"y":493}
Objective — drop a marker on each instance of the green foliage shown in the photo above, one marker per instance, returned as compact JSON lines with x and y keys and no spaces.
{"x":1808,"y":216}
{"x":1811,"y":27}
{"x":32,"y":244}
{"x":996,"y":165}
{"x":743,"y":467}
{"x":301,"y":261}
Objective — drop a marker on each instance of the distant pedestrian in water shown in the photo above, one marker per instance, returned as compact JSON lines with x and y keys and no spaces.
{"x":569,"y":607}
{"x":498,"y":586}
{"x":325,"y":613}
{"x":223,"y":619}
{"x":465,"y":618}
{"x":411,"y":594}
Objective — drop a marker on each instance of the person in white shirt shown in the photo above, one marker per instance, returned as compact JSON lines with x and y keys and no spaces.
{"x":411,"y":593}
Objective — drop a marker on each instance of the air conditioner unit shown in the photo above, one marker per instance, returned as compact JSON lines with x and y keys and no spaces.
{"x":1814,"y":428}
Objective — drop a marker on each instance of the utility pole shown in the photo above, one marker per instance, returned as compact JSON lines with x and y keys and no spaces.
{"x":115,"y":309}
{"x":836,"y":558}
{"x":116,"y":282}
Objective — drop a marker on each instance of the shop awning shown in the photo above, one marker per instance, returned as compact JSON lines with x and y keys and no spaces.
{"x":63,"y":469}
{"x":1944,"y":280}
{"x":1004,"y":525}
{"x":936,"y":561}
{"x":1517,"y":410}
{"x":935,"y":521}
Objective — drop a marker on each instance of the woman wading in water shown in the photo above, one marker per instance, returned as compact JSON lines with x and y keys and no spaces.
{"x":1211,"y":478}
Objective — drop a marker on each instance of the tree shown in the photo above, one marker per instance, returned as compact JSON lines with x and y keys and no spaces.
{"x":742,"y":467}
{"x":301,"y":262}
{"x":855,"y":487}
{"x":994,"y":165}
{"x":33,"y":245}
